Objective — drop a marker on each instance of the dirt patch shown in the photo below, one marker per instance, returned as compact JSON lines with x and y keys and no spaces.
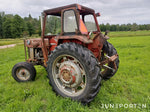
{"x":7,"y":46}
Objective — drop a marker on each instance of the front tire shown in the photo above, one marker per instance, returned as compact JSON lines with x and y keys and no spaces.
{"x":23,"y":72}
{"x":74,"y":72}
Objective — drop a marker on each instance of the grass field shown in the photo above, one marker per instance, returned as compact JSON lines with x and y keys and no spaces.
{"x":129,"y":33}
{"x":130,"y":85}
{"x":15,"y":41}
{"x":9,"y":41}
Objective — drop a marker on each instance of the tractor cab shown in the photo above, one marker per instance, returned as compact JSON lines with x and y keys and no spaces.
{"x":70,"y":20}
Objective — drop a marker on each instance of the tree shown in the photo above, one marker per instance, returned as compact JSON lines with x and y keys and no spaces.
{"x":32,"y":25}
{"x":17,"y":26}
{"x":7,"y":28}
{"x":103,"y":27}
{"x":107,"y":26}
{"x":30,"y":28}
{"x":1,"y":24}
{"x":123,"y":27}
{"x":113,"y":28}
{"x":128,"y":27}
{"x":147,"y":27}
{"x":117,"y":27}
{"x":134,"y":27}
{"x":1,"y":30}
{"x":53,"y":25}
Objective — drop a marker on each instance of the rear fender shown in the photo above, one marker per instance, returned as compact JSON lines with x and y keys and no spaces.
{"x":83,"y":39}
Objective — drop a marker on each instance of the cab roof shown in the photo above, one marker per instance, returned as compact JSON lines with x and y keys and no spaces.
{"x":57,"y":11}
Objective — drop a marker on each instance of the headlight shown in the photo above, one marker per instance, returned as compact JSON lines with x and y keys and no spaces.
{"x":28,"y":42}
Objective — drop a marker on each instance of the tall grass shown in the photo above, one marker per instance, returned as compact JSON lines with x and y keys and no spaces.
{"x":130,"y":85}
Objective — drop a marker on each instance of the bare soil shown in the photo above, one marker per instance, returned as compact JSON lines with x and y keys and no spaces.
{"x":7,"y":46}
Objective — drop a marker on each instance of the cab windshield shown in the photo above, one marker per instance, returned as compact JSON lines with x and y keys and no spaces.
{"x":90,"y":23}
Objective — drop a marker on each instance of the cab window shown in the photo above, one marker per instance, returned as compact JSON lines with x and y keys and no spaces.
{"x":70,"y":23}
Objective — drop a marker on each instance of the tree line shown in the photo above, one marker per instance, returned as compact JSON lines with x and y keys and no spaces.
{"x":124,"y":27}
{"x":14,"y":26}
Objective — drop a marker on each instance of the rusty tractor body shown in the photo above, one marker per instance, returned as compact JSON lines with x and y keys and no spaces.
{"x":76,"y":59}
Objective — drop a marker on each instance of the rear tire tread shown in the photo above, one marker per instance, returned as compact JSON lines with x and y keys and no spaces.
{"x":93,"y":68}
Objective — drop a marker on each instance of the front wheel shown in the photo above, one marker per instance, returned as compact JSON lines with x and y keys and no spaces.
{"x":74,"y":72}
{"x":23,"y":72}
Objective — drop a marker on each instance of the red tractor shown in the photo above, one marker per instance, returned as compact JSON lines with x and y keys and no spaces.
{"x":76,"y":55}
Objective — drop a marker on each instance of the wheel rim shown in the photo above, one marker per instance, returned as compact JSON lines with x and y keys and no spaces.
{"x":23,"y":74}
{"x":69,"y":75}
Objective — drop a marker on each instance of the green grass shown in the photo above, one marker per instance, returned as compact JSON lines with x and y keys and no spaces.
{"x":130,"y":85}
{"x":15,"y":41}
{"x":10,"y":41}
{"x":129,"y":33}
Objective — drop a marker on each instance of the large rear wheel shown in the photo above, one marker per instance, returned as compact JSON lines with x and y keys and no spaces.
{"x":74,"y":72}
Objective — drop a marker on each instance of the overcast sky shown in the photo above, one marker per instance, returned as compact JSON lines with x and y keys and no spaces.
{"x":112,"y":11}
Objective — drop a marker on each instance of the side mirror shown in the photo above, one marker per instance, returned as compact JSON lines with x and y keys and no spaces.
{"x":106,"y":32}
{"x":98,"y":14}
{"x":105,"y":35}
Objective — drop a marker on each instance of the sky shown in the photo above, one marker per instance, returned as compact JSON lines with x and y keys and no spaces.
{"x":112,"y":11}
